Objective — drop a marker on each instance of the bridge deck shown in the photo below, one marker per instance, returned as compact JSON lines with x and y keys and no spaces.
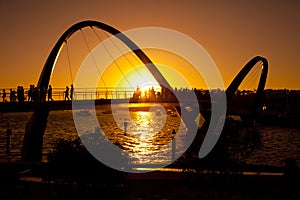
{"x":61,"y":105}
{"x":53,"y":105}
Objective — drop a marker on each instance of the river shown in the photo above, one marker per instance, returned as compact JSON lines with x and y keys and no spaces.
{"x":147,"y":131}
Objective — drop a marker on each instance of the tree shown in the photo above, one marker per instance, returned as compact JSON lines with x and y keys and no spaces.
{"x":236,"y":143}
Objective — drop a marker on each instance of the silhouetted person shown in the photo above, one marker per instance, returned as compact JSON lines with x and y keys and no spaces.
{"x":30,"y":93}
{"x":72,"y":92}
{"x":20,"y":94}
{"x":67,"y":93}
{"x":50,"y":93}
{"x":8,"y":134}
{"x":35,"y":94}
{"x":43,"y":94}
{"x":12,"y":95}
{"x":3,"y":95}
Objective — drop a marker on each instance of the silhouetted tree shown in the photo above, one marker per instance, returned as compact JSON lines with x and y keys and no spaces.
{"x":70,"y":161}
{"x":236,"y":143}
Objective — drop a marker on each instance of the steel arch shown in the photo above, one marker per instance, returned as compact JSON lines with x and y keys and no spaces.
{"x":241,"y":76}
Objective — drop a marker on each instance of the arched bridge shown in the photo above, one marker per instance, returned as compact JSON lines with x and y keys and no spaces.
{"x":35,"y":127}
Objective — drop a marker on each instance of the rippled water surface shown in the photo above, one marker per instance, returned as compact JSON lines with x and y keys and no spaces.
{"x":148,"y":132}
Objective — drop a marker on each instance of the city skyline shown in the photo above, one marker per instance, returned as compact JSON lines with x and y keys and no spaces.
{"x":231,"y":33}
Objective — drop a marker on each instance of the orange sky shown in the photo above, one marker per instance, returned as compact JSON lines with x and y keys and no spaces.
{"x":232,"y":32}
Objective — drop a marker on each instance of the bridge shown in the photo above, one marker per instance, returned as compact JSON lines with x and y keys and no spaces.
{"x":33,"y":138}
{"x":84,"y":95}
{"x":101,"y":96}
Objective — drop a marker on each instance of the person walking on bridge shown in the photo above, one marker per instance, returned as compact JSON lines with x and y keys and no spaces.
{"x":4,"y":95}
{"x":50,"y":93}
{"x":67,"y":93}
{"x":12,"y":95}
{"x":30,"y":92}
{"x":72,"y":92}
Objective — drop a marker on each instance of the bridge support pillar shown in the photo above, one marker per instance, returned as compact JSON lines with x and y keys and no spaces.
{"x":34,"y":132}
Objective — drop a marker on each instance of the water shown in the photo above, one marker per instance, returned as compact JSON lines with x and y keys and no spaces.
{"x":147,"y":133}
{"x":279,"y":143}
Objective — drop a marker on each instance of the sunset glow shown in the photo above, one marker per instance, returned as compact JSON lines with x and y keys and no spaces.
{"x":145,"y":99}
{"x":228,"y":31}
{"x":177,"y":71}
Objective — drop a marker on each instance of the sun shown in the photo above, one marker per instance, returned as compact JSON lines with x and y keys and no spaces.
{"x":178,"y":73}
{"x":138,"y":77}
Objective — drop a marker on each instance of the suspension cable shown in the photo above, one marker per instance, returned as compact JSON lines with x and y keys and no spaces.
{"x":250,"y":78}
{"x":115,"y":62}
{"x":69,"y":61}
{"x":94,"y":60}
{"x":126,"y":57}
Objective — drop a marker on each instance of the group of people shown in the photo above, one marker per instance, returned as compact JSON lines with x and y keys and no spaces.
{"x":14,"y":95}
{"x":35,"y":94}
{"x":71,"y":95}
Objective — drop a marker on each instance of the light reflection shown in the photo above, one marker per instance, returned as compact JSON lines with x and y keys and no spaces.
{"x":148,"y":132}
{"x":160,"y":169}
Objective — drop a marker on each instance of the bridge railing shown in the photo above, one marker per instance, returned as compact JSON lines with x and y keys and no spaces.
{"x":58,"y":94}
{"x":102,"y":93}
{"x":91,"y":94}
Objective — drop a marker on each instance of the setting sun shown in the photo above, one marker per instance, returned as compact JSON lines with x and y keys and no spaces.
{"x":128,"y":72}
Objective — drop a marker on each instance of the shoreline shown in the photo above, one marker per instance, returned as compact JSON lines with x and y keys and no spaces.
{"x":27,"y":184}
{"x":37,"y":168}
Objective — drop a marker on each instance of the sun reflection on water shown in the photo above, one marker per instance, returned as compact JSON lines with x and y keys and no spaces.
{"x":149,"y":131}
